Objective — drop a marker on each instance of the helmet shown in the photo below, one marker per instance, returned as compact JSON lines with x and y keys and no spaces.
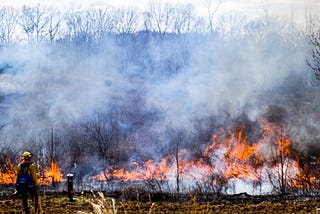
{"x":26,"y":155}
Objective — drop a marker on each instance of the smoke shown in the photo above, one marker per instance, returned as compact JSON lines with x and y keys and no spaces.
{"x":227,"y":76}
{"x":52,"y":86}
{"x":48,"y":87}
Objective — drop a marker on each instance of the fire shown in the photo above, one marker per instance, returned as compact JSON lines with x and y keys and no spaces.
{"x":52,"y":174}
{"x":148,"y":171}
{"x":230,"y":156}
{"x":239,"y":157}
{"x":8,"y":174}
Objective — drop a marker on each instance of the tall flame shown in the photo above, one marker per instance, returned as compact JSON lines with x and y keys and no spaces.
{"x":52,"y":174}
{"x":8,"y":173}
{"x":231,"y":157}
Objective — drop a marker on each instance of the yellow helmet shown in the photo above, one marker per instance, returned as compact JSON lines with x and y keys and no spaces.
{"x":26,"y":155}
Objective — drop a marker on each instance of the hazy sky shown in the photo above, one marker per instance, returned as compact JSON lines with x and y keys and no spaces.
{"x":247,"y":7}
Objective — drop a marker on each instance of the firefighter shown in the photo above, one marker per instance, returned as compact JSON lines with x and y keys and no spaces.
{"x":27,"y":181}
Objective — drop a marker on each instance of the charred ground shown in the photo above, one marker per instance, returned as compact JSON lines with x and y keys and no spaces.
{"x":137,"y":201}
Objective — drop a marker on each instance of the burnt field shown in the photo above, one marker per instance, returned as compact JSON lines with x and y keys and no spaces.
{"x":143,"y":202}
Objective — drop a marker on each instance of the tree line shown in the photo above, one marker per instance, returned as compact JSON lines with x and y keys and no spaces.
{"x":42,"y":24}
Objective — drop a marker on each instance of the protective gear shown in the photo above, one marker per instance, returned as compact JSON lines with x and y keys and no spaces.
{"x":24,"y":177}
{"x":27,"y":181}
{"x":26,"y":155}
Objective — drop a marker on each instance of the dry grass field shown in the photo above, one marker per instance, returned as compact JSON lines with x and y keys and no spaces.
{"x":98,"y":204}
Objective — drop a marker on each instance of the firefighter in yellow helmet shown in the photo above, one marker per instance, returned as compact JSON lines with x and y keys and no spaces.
{"x":27,"y":181}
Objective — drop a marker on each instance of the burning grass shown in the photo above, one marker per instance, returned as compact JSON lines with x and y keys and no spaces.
{"x":232,"y":162}
{"x":230,"y":158}
{"x":268,"y":165}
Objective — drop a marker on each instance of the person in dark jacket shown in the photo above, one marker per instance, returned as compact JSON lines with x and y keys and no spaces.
{"x":27,"y":181}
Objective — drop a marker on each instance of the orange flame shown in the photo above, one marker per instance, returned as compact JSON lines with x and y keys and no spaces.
{"x":231,"y":157}
{"x":8,"y":174}
{"x":52,"y":174}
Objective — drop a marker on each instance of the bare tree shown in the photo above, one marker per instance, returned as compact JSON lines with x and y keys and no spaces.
{"x":230,"y":25}
{"x":79,"y":27}
{"x":183,"y":18}
{"x":35,"y":21}
{"x":103,"y":23}
{"x":280,"y":149}
{"x":126,"y":21}
{"x":104,"y":132}
{"x":52,"y":150}
{"x":8,"y":24}
{"x":126,"y":24}
{"x":176,"y":139}
{"x":314,"y":63}
{"x":212,"y":9}
{"x":159,"y":18}
{"x":54,"y":25}
{"x":200,"y":26}
{"x":106,"y":139}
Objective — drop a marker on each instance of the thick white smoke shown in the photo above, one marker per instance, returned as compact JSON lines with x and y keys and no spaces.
{"x":48,"y":88}
{"x":228,"y":77}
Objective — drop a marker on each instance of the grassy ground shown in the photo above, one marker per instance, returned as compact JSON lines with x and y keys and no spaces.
{"x":98,"y":203}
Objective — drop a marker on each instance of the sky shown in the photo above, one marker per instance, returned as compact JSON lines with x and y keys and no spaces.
{"x":246,"y":7}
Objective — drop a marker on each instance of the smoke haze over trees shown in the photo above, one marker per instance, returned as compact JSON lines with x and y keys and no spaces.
{"x":107,"y":86}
